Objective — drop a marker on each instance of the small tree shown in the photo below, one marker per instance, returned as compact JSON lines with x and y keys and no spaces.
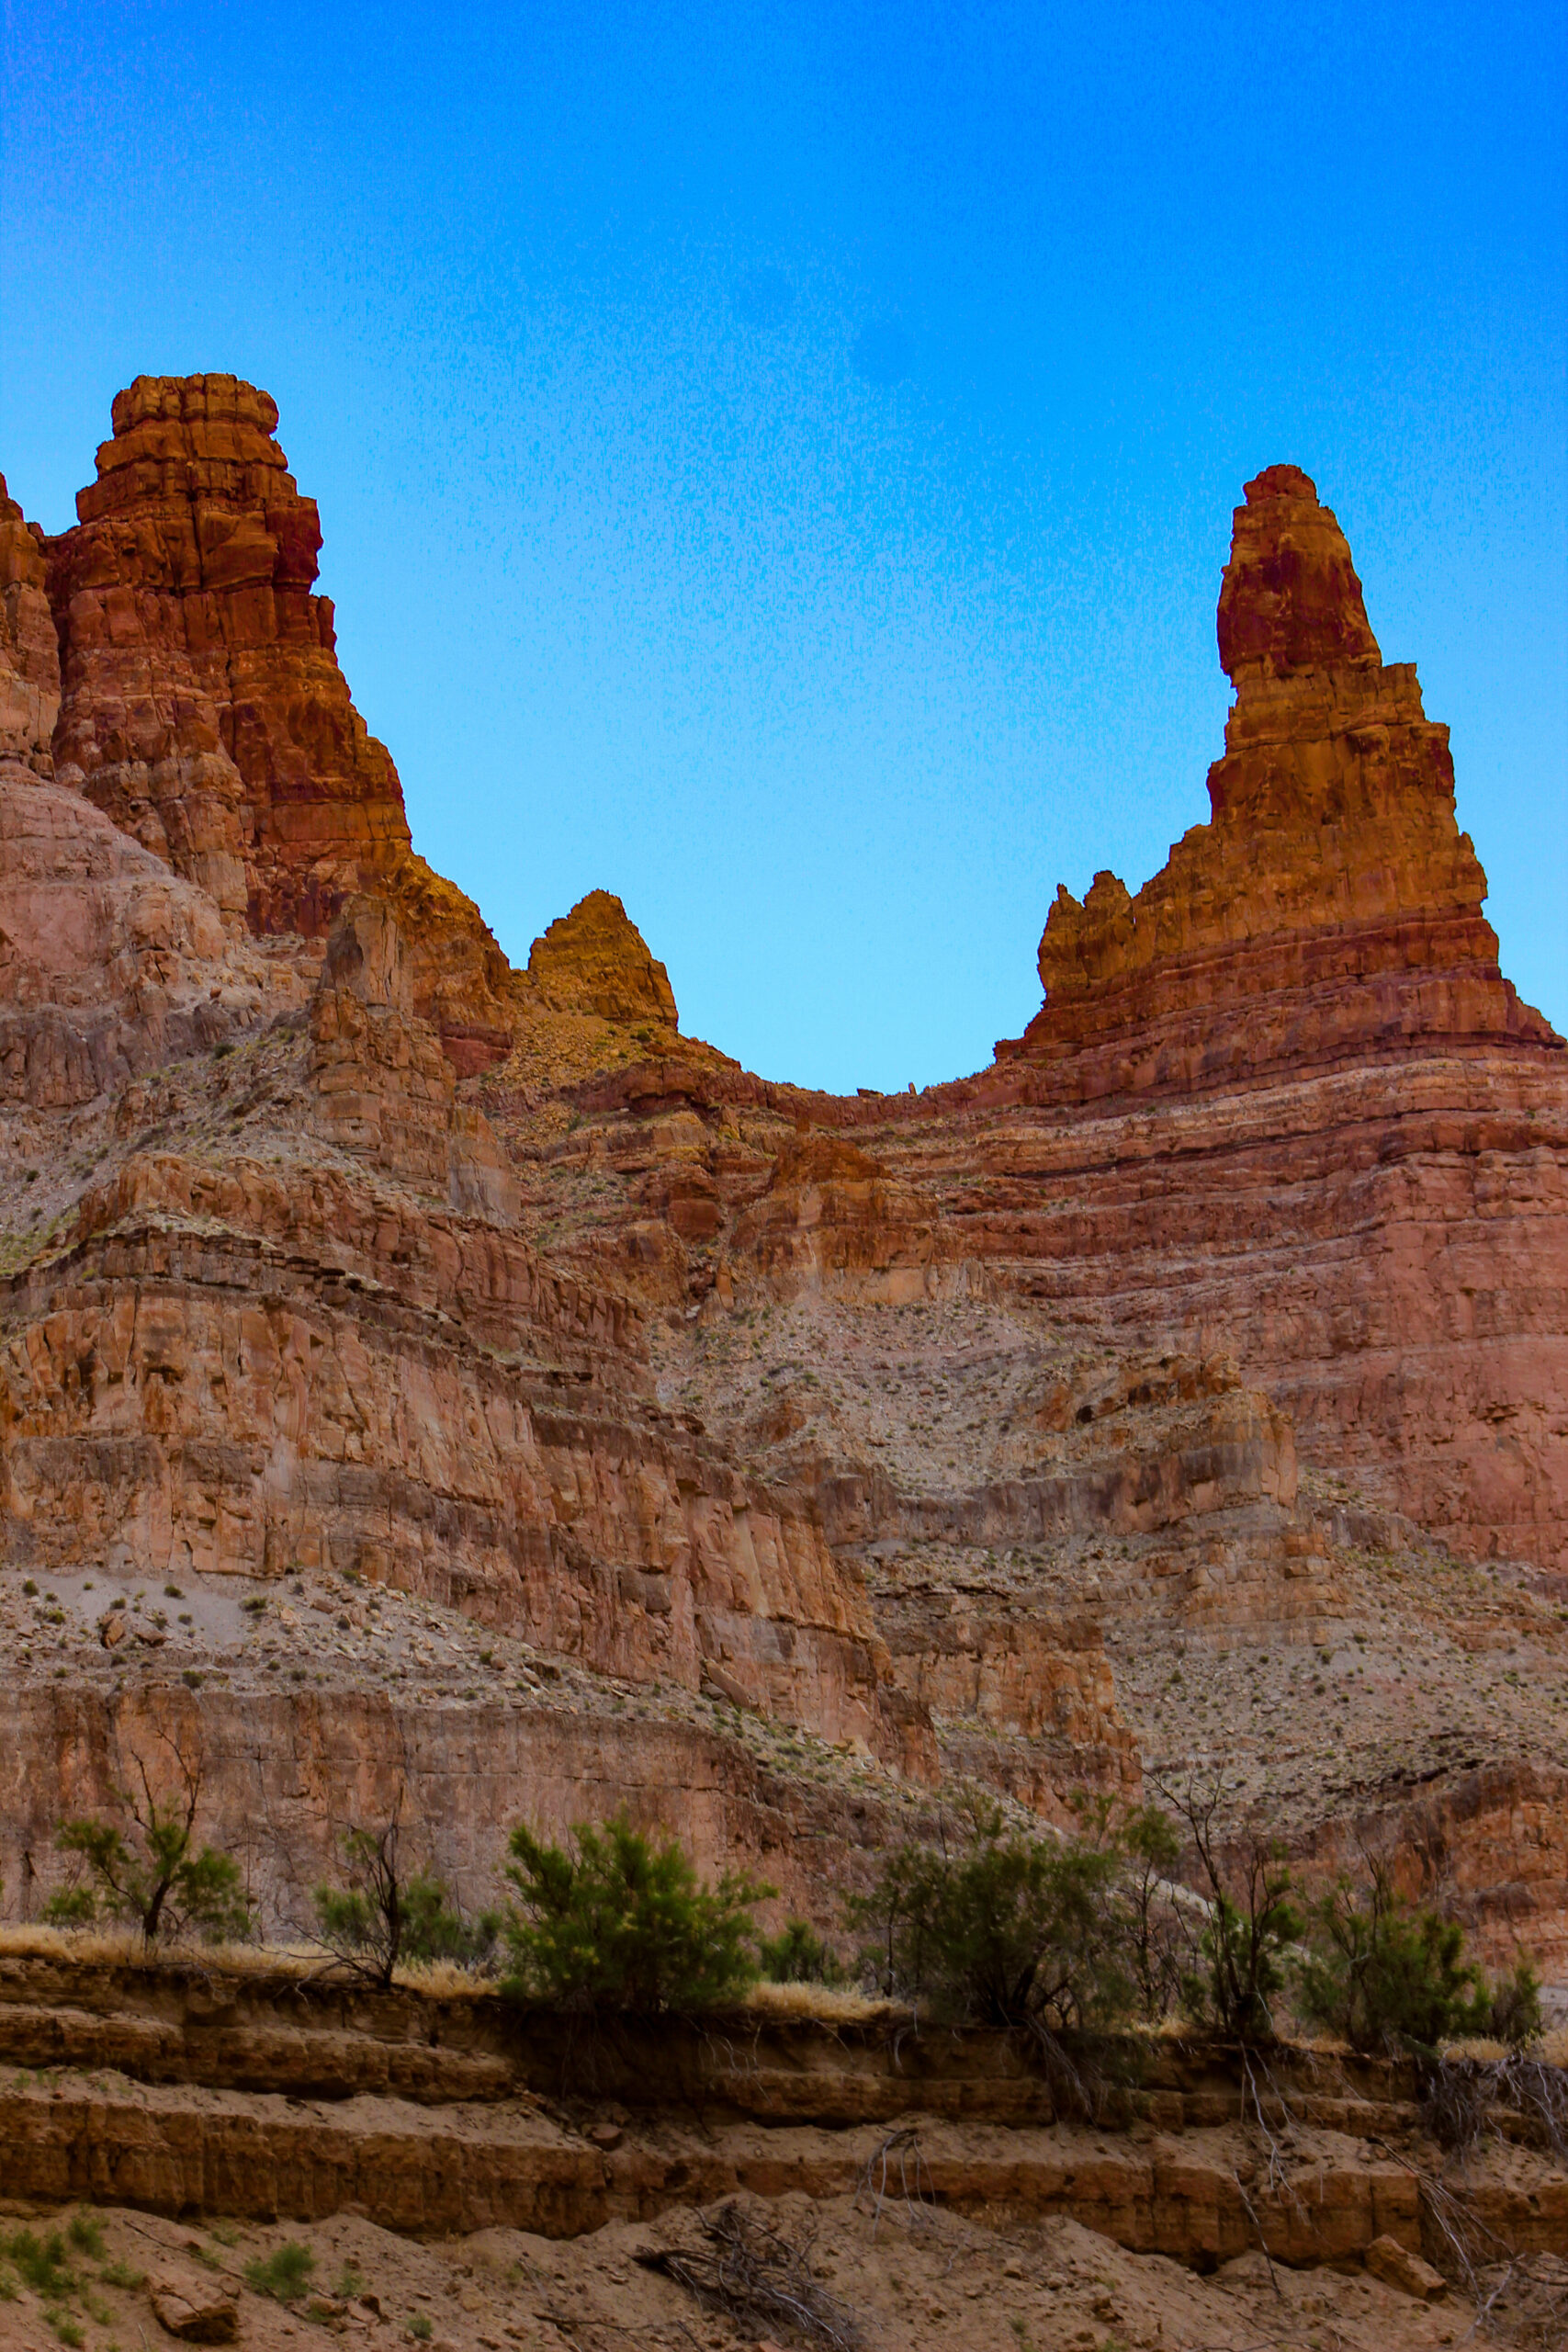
{"x":157,"y":1877}
{"x":362,"y":1922}
{"x":382,"y":1914}
{"x":624,"y":1925}
{"x":1002,"y":1930}
{"x":1159,"y":1940}
{"x":1387,"y":1975}
{"x":1252,"y":1922}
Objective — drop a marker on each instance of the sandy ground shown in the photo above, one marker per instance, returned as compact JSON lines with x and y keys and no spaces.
{"x":905,"y":2277}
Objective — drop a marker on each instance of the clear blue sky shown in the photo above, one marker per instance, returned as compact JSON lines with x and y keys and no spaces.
{"x":776,"y":462}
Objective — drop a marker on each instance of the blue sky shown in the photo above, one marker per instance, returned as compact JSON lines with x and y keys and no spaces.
{"x":776,"y":463}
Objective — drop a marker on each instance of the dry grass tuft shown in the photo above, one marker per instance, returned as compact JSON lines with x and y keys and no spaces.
{"x":123,"y":1948}
{"x":445,"y":1980}
{"x":831,"y":2004}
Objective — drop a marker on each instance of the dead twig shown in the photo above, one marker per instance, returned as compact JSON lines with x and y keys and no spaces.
{"x":902,"y":2147}
{"x":755,"y":2273}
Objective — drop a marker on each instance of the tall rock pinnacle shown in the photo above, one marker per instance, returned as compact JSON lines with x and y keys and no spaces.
{"x":203,"y":708}
{"x":1331,"y":908}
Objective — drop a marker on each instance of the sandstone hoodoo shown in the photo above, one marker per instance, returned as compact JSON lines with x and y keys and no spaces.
{"x":1330,"y":910}
{"x":440,"y":1393}
{"x":203,"y":707}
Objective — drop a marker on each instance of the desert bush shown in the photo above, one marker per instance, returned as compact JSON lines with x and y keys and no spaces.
{"x":1514,"y":2006}
{"x":155,"y":1875}
{"x":994,"y":1928}
{"x":798,"y":1955}
{"x":1385,"y":1975}
{"x":622,"y":1924}
{"x":283,"y":2274}
{"x":381,"y":1914}
{"x":1245,"y":1946}
{"x":1160,"y":1938}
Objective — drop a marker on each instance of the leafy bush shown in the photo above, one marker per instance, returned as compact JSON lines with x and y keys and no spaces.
{"x":1388,"y":1975}
{"x":799,"y":1956}
{"x":1007,"y":1930}
{"x":156,"y":1877}
{"x":1160,"y":1938}
{"x":624,"y":1925}
{"x":41,"y":2261}
{"x":380,"y":1918}
{"x":164,"y":1888}
{"x":283,"y":2274}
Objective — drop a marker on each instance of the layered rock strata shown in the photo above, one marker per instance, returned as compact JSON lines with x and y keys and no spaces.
{"x":1096,"y":1412}
{"x":202,"y":707}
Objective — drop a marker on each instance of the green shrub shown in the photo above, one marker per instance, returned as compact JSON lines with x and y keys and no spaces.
{"x":156,"y":1875}
{"x":624,"y":1925}
{"x":86,"y":2235}
{"x":41,"y":2261}
{"x":1514,"y":2006}
{"x":1388,"y":1975}
{"x":380,"y":1917}
{"x":283,"y":2274}
{"x":1006,"y":1931}
{"x":799,"y":1956}
{"x":1247,"y":1942}
{"x":1160,"y":1937}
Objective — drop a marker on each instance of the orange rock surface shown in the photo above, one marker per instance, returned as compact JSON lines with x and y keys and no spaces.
{"x":1331,"y":908}
{"x":1154,"y":1395}
{"x":594,"y":960}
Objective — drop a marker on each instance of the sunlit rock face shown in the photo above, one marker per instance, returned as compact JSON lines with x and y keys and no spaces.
{"x":1331,"y":908}
{"x":621,"y":1425}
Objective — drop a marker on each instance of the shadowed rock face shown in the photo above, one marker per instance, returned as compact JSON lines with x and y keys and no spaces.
{"x":1331,"y":908}
{"x":29,"y":657}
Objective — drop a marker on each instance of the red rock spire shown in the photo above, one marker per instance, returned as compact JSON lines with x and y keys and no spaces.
{"x":1331,"y":908}
{"x":203,"y":708}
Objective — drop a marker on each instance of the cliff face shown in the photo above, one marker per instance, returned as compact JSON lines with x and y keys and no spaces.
{"x":639,"y":1429}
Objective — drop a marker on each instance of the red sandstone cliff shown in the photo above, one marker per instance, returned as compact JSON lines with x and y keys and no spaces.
{"x":936,"y":1428}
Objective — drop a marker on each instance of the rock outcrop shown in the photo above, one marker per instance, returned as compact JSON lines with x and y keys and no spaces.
{"x":202,"y":707}
{"x":595,"y":960}
{"x":1331,"y":908}
{"x":29,"y":656}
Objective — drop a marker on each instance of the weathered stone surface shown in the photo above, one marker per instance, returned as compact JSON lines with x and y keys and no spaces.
{"x":595,"y":960}
{"x":1331,"y":908}
{"x":202,"y":704}
{"x":192,"y":2308}
{"x":203,"y":708}
{"x":29,"y":656}
{"x":109,"y":963}
{"x":1396,"y":2266}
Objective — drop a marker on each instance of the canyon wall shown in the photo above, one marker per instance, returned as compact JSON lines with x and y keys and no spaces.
{"x":1136,"y":1401}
